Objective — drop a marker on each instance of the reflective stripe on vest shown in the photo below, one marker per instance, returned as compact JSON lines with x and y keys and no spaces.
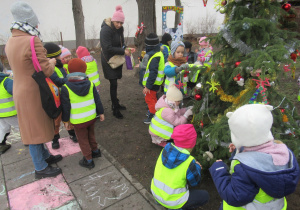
{"x":261,"y":201}
{"x":67,"y":68}
{"x":173,"y":79}
{"x":169,"y":51}
{"x":7,"y":104}
{"x":160,"y":127}
{"x":160,"y":75}
{"x":92,"y":72}
{"x":169,"y":190}
{"x":208,"y":63}
{"x":195,"y":76}
{"x":58,"y":72}
{"x":83,"y":108}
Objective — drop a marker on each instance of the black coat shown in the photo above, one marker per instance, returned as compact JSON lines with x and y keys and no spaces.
{"x":111,"y":41}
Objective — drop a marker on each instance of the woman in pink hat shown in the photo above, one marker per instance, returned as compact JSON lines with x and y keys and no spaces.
{"x":112,"y":43}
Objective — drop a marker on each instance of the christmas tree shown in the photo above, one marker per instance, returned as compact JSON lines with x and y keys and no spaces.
{"x":254,"y":53}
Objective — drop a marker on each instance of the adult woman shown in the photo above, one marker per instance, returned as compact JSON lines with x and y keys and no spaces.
{"x":35,"y":126}
{"x":112,"y":43}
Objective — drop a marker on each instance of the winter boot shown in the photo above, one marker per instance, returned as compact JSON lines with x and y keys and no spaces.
{"x":117,"y":113}
{"x":3,"y":146}
{"x":149,"y":118}
{"x":120,"y":106}
{"x":55,"y":142}
{"x":87,"y":164}
{"x":96,"y":154}
{"x":73,"y":136}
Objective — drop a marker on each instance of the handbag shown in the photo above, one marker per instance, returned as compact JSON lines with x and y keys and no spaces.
{"x":48,"y":90}
{"x":116,"y":60}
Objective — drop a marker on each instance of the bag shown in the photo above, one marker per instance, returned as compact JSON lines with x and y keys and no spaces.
{"x":48,"y":90}
{"x":116,"y":61}
{"x":129,"y":63}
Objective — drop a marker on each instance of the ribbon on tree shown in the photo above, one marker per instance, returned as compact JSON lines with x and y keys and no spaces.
{"x":205,"y":2}
{"x":287,"y":68}
{"x":262,"y":89}
{"x":213,"y":85}
{"x":139,"y":30}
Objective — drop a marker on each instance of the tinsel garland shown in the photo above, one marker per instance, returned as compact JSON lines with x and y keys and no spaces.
{"x":230,"y":98}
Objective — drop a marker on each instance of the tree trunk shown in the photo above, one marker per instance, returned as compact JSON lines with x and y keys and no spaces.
{"x":147,"y":15}
{"x":79,"y":23}
{"x":177,"y":15}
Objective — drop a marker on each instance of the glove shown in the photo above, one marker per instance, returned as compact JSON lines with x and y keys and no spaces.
{"x":190,"y":107}
{"x":182,"y":67}
{"x":185,"y":66}
{"x":188,"y":113}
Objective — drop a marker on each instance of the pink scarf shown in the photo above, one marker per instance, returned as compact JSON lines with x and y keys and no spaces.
{"x":279,"y":152}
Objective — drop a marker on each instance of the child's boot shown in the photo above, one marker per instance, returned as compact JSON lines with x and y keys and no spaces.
{"x":96,"y":154}
{"x":149,"y":118}
{"x":87,"y":163}
{"x":73,"y":136}
{"x":3,"y":146}
{"x":55,"y":142}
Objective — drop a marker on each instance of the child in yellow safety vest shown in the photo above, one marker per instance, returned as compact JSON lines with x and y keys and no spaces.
{"x":65,"y":57}
{"x":8,"y":113}
{"x":59,"y":77}
{"x":263,"y":170}
{"x":92,"y":68}
{"x":80,"y":104}
{"x":175,"y":169}
{"x":205,"y":52}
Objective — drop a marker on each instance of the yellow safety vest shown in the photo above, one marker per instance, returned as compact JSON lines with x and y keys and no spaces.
{"x":208,"y":64}
{"x":160,"y":75}
{"x":67,"y":68}
{"x":92,"y":72}
{"x":160,"y":127}
{"x":7,"y":104}
{"x":169,"y":186}
{"x":169,"y":51}
{"x":195,"y":76}
{"x":83,"y":108}
{"x":58,"y":72}
{"x":168,"y":80}
{"x":261,"y":201}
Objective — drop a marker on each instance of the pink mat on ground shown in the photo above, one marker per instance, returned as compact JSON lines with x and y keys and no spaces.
{"x":67,"y":147}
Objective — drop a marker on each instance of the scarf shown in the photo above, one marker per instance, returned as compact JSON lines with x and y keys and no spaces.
{"x":177,"y":61}
{"x":88,"y":58}
{"x":172,"y":105}
{"x":27,"y":28}
{"x":279,"y":152}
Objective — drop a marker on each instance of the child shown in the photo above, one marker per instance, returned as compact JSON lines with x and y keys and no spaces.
{"x":154,"y":75}
{"x":166,"y":40}
{"x":59,"y":77}
{"x":176,"y":64}
{"x":263,"y":171}
{"x":80,"y":105}
{"x":190,"y":56}
{"x":144,"y":58}
{"x":65,"y":56}
{"x":175,"y":167}
{"x":167,"y":116}
{"x":205,"y":52}
{"x":8,"y":113}
{"x":92,"y":69}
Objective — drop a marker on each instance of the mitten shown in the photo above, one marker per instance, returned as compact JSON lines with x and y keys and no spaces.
{"x":188,"y":113}
{"x":185,"y":66}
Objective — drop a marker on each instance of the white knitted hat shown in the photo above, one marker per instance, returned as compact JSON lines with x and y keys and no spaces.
{"x":250,"y":125}
{"x":23,"y":12}
{"x":174,"y":94}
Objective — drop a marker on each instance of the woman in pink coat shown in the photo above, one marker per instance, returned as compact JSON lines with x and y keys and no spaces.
{"x":36,"y":127}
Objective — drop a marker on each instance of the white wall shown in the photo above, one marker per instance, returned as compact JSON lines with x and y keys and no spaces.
{"x":56,"y":16}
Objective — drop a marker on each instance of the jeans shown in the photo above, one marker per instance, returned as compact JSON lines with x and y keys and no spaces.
{"x":197,"y":198}
{"x":38,"y":154}
{"x":113,"y":91}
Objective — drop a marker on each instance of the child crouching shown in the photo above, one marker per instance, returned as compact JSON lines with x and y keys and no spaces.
{"x":80,"y":105}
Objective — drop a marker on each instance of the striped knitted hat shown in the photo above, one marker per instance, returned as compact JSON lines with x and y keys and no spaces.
{"x":53,"y":50}
{"x":64,"y":52}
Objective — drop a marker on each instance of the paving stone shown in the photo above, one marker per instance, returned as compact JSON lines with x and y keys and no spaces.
{"x":67,"y":147}
{"x":102,"y":189}
{"x":1,"y":170}
{"x":3,"y":196}
{"x":16,"y":153}
{"x":47,"y":193}
{"x":135,"y":201}
{"x":73,"y":171}
{"x":73,"y":205}
{"x":148,"y":196}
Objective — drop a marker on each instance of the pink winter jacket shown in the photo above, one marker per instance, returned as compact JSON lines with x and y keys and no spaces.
{"x":169,"y":115}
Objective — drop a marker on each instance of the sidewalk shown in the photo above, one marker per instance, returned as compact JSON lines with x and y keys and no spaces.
{"x":108,"y":186}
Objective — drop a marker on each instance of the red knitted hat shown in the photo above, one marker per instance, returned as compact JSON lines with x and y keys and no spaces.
{"x":184,"y":136}
{"x":82,"y":51}
{"x":76,"y":65}
{"x":118,"y":14}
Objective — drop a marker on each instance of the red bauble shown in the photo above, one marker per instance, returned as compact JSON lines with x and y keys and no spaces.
{"x":223,"y":3}
{"x":286,"y":6}
{"x":198,"y":97}
{"x":237,"y":63}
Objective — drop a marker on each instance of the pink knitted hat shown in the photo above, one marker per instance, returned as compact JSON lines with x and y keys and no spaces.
{"x":82,"y":51}
{"x":118,"y":14}
{"x":184,"y":136}
{"x":202,"y":42}
{"x":64,"y":52}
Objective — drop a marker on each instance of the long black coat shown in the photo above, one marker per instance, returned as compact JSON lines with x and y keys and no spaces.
{"x":111,"y":41}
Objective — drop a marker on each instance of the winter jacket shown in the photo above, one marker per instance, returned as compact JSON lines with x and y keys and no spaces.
{"x":170,"y":74}
{"x":165,"y":51}
{"x":81,"y":88}
{"x":191,"y":58}
{"x":55,"y":78}
{"x":8,"y":83}
{"x":112,"y":43}
{"x":153,"y":67}
{"x":256,"y":170}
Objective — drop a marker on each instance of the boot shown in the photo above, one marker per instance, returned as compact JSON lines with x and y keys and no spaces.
{"x":49,"y":171}
{"x":73,"y":136}
{"x":120,"y":106}
{"x":53,"y":159}
{"x":55,"y":142}
{"x":117,"y":113}
{"x":3,"y":146}
{"x":149,"y":118}
{"x":96,"y":154}
{"x":84,"y":163}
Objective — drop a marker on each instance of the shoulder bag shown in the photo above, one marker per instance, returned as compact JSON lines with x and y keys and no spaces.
{"x":116,"y":60}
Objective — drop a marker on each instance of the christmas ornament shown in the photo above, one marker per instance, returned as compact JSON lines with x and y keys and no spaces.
{"x":237,"y":63}
{"x":222,"y":10}
{"x":293,"y":56}
{"x":282,"y":110}
{"x":198,"y":97}
{"x":208,"y":155}
{"x":285,"y":118}
{"x":205,"y":2}
{"x":198,"y":86}
{"x":223,"y":3}
{"x":246,"y":26}
{"x":239,"y":79}
{"x":287,"y":68}
{"x":201,"y":124}
{"x":286,"y":6}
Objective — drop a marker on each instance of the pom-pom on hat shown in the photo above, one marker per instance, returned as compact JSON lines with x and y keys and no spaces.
{"x":23,"y":12}
{"x":151,"y":40}
{"x":184,"y":136}
{"x":174,"y":94}
{"x":76,"y":65}
{"x":53,"y":50}
{"x":82,"y":51}
{"x":174,"y":46}
{"x":118,"y":14}
{"x":64,"y":52}
{"x":202,"y":41}
{"x":250,"y":125}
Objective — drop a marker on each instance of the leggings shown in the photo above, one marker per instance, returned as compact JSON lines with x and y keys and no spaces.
{"x":113,"y":91}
